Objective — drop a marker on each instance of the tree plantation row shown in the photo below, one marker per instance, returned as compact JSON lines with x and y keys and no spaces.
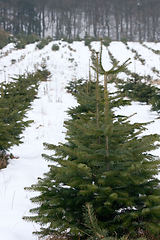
{"x":102,"y":182}
{"x":15,"y":100}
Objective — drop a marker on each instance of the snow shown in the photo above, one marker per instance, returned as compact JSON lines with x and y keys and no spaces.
{"x":49,"y":112}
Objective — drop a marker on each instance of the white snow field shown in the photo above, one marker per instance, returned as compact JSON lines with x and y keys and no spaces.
{"x":48,"y":112}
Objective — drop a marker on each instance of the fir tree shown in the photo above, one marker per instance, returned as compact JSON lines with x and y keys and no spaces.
{"x":15,"y":99}
{"x":137,"y":90}
{"x":107,"y":165}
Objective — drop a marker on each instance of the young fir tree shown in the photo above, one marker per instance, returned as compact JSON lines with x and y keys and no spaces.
{"x":13,"y":107}
{"x":104,"y":162}
{"x":15,"y":100}
{"x":148,"y":93}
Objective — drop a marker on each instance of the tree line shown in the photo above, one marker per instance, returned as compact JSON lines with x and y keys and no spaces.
{"x":135,"y":20}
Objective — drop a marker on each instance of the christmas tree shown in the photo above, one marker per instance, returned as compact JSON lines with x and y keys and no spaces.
{"x":148,"y":94}
{"x":15,"y":99}
{"x":106,"y":163}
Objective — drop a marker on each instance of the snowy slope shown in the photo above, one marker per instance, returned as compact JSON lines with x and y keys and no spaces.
{"x":48,"y":112}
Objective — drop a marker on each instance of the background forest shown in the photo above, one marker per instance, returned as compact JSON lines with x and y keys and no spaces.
{"x":134,"y":20}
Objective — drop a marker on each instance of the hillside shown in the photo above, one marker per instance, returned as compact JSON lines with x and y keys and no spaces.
{"x":70,"y":62}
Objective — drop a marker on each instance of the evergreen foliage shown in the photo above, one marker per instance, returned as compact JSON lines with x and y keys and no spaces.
{"x":88,"y":40}
{"x":107,"y":41}
{"x":15,"y":99}
{"x":94,"y":231}
{"x":91,"y":223}
{"x":43,"y":74}
{"x":44,"y":42}
{"x":140,"y":91}
{"x":73,"y":85}
{"x":137,"y":90}
{"x":55,"y":47}
{"x":106,"y":163}
{"x":21,"y":40}
{"x":155,"y":101}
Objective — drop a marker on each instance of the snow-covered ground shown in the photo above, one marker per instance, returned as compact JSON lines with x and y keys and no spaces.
{"x":48,"y":112}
